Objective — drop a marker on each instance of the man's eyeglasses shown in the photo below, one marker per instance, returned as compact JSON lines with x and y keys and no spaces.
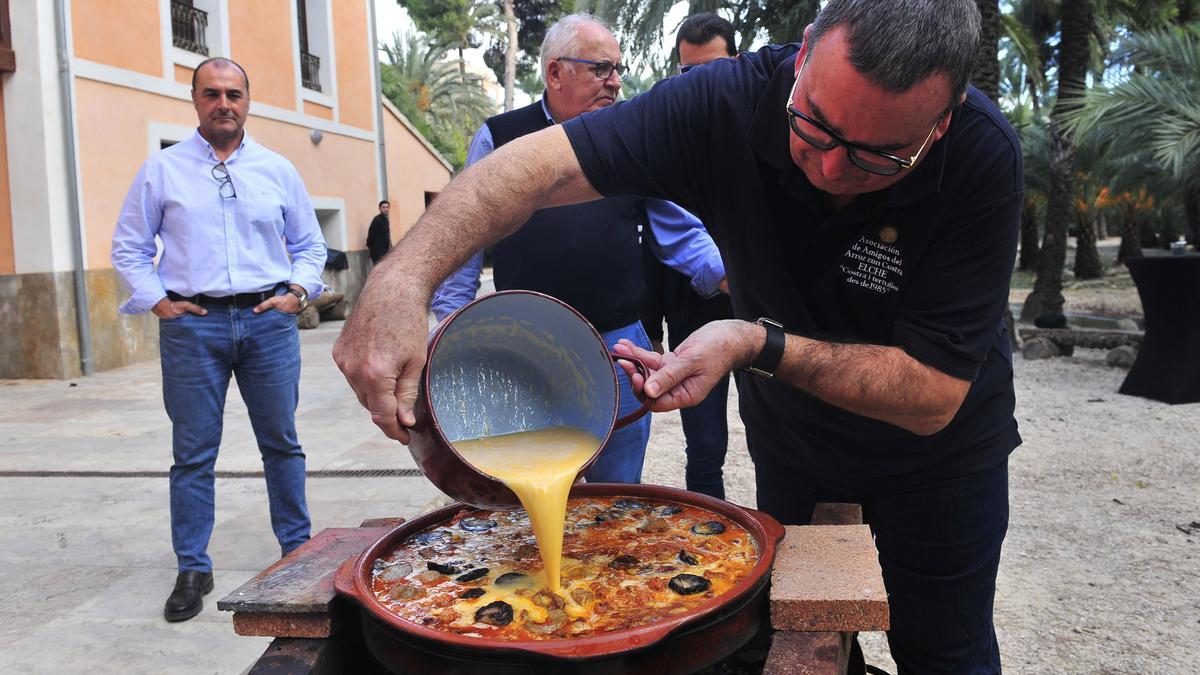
{"x":602,"y":69}
{"x":221,"y":174}
{"x":864,"y":157}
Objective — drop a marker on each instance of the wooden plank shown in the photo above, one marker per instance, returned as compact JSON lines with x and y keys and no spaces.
{"x":287,"y":656}
{"x":827,"y":578}
{"x":389,"y":523}
{"x":303,"y":581}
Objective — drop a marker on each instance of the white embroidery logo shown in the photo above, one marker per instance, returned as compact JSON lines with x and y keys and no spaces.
{"x":873,"y":265}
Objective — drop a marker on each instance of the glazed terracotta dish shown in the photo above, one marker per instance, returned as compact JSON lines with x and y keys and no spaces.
{"x":627,"y":562}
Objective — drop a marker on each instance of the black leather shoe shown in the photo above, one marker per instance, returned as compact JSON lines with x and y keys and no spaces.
{"x":187,"y":599}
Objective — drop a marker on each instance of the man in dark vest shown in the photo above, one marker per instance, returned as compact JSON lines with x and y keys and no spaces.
{"x":588,"y":255}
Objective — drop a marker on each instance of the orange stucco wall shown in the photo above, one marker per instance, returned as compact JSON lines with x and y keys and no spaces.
{"x":260,"y":34}
{"x":115,"y":33}
{"x":113,"y":145}
{"x":7,"y":261}
{"x":411,"y":172}
{"x":355,"y":93}
{"x":318,"y":110}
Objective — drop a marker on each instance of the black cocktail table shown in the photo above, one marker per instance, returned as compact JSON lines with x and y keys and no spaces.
{"x":1168,"y":365}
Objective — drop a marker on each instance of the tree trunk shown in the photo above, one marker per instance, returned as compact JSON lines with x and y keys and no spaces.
{"x":1191,"y":214}
{"x":510,"y":55}
{"x":1073,"y":52}
{"x":1187,"y":12}
{"x":1029,"y":237}
{"x":1059,"y":211}
{"x":462,"y":63}
{"x":1087,"y":258}
{"x":986,"y":75}
{"x":1131,"y":246}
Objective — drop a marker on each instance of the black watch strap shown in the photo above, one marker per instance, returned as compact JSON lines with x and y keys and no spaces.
{"x":772,"y":352}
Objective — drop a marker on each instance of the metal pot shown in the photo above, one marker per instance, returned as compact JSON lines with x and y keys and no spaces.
{"x":680,"y":644}
{"x":508,"y":362}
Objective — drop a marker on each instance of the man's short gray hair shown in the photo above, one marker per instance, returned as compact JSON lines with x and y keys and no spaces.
{"x":560,"y":38}
{"x":898,"y":43}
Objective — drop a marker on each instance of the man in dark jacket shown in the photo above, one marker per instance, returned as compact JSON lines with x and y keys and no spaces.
{"x":379,"y":235}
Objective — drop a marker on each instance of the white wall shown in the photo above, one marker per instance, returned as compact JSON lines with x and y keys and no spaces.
{"x":33,"y":111}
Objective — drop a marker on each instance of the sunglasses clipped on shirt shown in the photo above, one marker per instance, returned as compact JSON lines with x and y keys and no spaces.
{"x":601,"y":69}
{"x":220,"y":173}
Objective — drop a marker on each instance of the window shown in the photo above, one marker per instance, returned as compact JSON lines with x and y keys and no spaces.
{"x":189,"y":27}
{"x":310,"y":64}
{"x":331,"y":216}
{"x":198,"y":29}
{"x":312,"y":27}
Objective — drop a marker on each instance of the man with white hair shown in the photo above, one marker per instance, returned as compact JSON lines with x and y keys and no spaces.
{"x":588,"y":255}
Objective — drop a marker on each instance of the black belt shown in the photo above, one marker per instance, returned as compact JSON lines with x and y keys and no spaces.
{"x":241,"y":300}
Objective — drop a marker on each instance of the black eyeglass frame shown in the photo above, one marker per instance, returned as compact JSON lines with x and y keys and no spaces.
{"x":851,"y":147}
{"x":596,"y":66}
{"x":223,"y":179}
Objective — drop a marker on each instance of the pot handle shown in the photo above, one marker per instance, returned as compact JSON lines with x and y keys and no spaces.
{"x":343,"y":578}
{"x":646,"y":402}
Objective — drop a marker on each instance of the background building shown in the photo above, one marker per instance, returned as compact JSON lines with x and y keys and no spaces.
{"x":71,"y":140}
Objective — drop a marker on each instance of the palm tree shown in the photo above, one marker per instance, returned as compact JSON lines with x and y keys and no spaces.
{"x":434,"y":94}
{"x":986,"y":75}
{"x":1073,"y":55}
{"x":459,"y":24}
{"x":1157,"y":107}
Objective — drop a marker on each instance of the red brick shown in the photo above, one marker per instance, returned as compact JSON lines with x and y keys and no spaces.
{"x":794,"y":653}
{"x":827,"y":578}
{"x":274,"y":624}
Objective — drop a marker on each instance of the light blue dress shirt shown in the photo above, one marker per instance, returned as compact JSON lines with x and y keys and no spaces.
{"x":211,"y":244}
{"x":680,"y":242}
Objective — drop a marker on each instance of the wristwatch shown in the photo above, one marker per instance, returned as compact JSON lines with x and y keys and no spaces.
{"x":302,"y":295}
{"x":772,"y":352}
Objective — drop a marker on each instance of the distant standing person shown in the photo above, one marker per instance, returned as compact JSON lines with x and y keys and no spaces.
{"x":379,"y":235}
{"x":701,"y":38}
{"x":241,"y":254}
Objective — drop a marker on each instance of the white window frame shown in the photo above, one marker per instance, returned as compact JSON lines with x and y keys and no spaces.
{"x":216,"y":36}
{"x":320,"y":45}
{"x":335,"y":232}
{"x":157,"y":132}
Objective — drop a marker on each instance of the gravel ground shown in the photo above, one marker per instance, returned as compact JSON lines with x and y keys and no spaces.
{"x":1101,"y":566}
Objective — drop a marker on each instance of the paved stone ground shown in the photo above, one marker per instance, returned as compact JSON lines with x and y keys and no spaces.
{"x":86,"y":563}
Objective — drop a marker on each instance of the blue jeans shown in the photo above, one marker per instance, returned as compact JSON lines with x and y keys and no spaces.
{"x":705,"y":429}
{"x":939,"y":548}
{"x":621,"y":459}
{"x":199,"y":354}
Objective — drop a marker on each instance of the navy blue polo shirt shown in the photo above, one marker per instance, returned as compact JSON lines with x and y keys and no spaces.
{"x":923,"y":265}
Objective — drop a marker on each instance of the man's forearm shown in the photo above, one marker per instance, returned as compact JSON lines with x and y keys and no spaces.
{"x":882,"y":383}
{"x":490,"y":200}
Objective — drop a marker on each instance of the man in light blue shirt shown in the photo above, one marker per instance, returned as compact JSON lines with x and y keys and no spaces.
{"x":241,"y":254}
{"x":588,"y":255}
